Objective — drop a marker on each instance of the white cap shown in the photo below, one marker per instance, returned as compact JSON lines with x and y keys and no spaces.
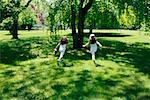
{"x":92,"y":35}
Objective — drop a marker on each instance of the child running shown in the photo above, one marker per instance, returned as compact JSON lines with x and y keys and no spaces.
{"x":62,"y":45}
{"x":93,"y":46}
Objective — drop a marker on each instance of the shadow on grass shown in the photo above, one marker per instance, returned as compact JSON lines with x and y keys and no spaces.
{"x":104,"y":34}
{"x":51,"y":81}
{"x":107,"y":34}
{"x":136,"y":92}
{"x":136,"y":54}
{"x":85,"y":86}
{"x":10,"y":54}
{"x":21,"y":50}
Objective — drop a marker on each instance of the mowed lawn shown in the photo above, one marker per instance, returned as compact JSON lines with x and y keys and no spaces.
{"x":29,"y":70}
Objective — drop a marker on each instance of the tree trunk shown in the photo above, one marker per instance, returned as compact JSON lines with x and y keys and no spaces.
{"x":15,"y":27}
{"x":81,"y":28}
{"x":82,"y":11}
{"x":73,"y":26}
{"x":92,"y":25}
{"x":91,"y":29}
{"x":81,"y":19}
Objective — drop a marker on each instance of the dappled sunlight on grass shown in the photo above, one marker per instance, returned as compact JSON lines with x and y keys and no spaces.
{"x":29,"y":70}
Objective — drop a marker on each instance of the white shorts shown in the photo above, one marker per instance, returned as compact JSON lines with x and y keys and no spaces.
{"x":92,"y":52}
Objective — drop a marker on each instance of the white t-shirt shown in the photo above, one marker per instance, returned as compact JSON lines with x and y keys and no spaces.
{"x":62,"y":48}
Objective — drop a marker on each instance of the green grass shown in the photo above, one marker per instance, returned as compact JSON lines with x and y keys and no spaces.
{"x":28,"y":67}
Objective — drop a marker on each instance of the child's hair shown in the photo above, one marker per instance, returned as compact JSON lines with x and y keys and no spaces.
{"x":92,"y":39}
{"x":64,"y":40}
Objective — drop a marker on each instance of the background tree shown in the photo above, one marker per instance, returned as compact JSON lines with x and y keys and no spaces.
{"x":1,"y":9}
{"x":12,"y":8}
{"x":73,"y":23}
{"x":27,"y":18}
{"x":79,"y":14}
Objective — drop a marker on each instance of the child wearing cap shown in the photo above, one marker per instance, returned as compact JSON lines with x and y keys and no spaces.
{"x":93,"y":46}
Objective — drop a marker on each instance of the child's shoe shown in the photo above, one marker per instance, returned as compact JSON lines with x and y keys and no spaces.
{"x":96,"y":64}
{"x":55,"y":51}
{"x":58,"y":62}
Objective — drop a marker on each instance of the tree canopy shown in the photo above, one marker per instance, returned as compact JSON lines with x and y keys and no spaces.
{"x":76,"y":14}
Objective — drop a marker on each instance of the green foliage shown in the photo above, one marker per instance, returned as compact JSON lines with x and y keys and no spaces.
{"x":27,"y":17}
{"x":1,"y":9}
{"x":127,"y":14}
{"x":145,"y":25}
{"x":58,"y":15}
{"x":127,"y":18}
{"x":9,"y":11}
{"x":103,"y":14}
{"x":6,"y":24}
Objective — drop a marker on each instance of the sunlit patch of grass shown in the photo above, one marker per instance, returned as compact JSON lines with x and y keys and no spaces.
{"x":29,"y":70}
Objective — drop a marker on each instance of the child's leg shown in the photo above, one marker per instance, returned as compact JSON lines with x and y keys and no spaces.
{"x":93,"y":56}
{"x":61,"y":55}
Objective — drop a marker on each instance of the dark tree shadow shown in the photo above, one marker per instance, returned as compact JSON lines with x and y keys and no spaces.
{"x":21,"y":50}
{"x":97,"y":34}
{"x":134,"y":91}
{"x":10,"y":53}
{"x":134,"y":54}
{"x":83,"y":54}
{"x":83,"y":87}
{"x":72,"y":55}
{"x":104,"y":34}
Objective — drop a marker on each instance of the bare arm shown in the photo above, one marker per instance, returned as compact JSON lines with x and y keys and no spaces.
{"x":86,"y":44}
{"x":57,"y":46}
{"x":98,"y":44}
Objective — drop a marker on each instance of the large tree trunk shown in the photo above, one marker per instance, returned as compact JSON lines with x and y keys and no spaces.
{"x":73,"y":26}
{"x":81,"y":19}
{"x":15,"y":27}
{"x":81,"y":28}
{"x":82,"y":11}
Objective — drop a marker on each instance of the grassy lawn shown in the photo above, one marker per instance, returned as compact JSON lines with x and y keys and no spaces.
{"x":28,"y":67}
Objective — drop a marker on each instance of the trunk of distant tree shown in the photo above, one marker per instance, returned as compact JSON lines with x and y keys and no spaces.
{"x":15,"y":27}
{"x":92,"y":26}
{"x":91,"y":29}
{"x":29,"y":27}
{"x":73,"y":26}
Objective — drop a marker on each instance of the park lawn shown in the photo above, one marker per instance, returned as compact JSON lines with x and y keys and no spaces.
{"x":29,"y":70}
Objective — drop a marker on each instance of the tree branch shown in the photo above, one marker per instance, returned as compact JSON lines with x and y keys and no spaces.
{"x":81,"y":1}
{"x":88,"y":6}
{"x":27,"y":4}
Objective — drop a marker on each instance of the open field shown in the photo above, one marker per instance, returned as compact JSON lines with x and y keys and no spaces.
{"x":28,"y":67}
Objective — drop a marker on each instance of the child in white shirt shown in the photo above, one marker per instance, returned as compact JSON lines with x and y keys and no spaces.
{"x":62,"y":47}
{"x":93,"y":46}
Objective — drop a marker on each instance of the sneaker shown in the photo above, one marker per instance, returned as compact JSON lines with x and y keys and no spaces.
{"x":96,"y":64}
{"x":58,"y":62}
